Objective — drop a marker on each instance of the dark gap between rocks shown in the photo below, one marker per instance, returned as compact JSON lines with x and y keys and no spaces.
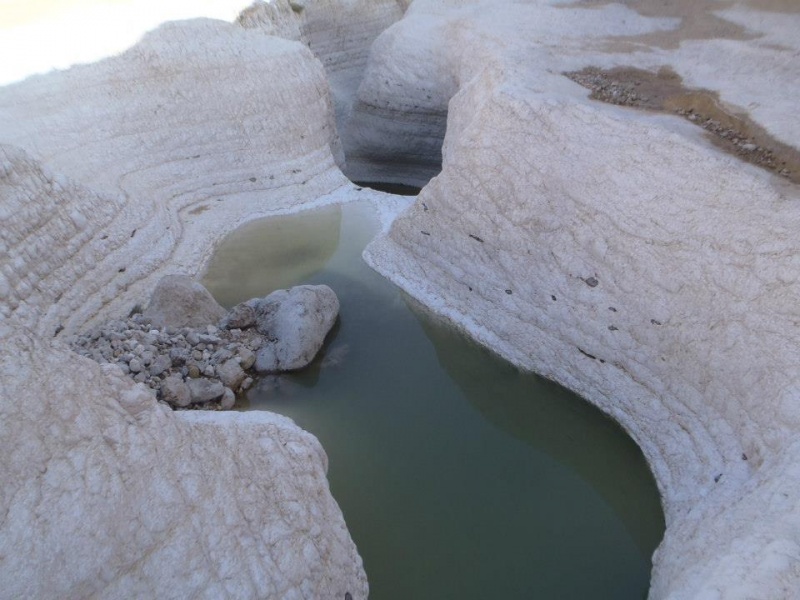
{"x":390,"y":188}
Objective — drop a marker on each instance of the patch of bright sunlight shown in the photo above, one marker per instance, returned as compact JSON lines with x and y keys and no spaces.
{"x":41,"y":35}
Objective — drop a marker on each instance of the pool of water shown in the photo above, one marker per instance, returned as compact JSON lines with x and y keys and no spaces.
{"x":458,"y":475}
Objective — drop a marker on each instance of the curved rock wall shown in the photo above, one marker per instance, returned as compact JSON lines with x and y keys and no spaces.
{"x":617,"y":252}
{"x":112,"y":175}
{"x":340,"y":33}
{"x":185,"y":135}
{"x":620,"y":254}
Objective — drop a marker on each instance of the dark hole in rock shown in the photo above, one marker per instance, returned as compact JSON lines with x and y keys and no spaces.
{"x":399,"y":189}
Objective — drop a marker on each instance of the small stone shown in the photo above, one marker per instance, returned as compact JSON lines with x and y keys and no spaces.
{"x":193,"y":371}
{"x":247,"y":357}
{"x":204,"y":390}
{"x":248,"y":381}
{"x":221,"y":355}
{"x":175,"y":391}
{"x":192,"y":338}
{"x":197,"y":355}
{"x":178,"y":356}
{"x":240,"y":316}
{"x":231,"y":374}
{"x":209,"y":371}
{"x":212,"y":330}
{"x":591,"y":281}
{"x":124,"y":367}
{"x":228,"y":399}
{"x":140,"y":378}
{"x":749,"y":147}
{"x":161,"y":364}
{"x":147,"y":358}
{"x":135,"y":365}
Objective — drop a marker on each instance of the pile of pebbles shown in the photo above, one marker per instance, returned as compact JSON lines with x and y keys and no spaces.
{"x":189,"y":364}
{"x":187,"y":367}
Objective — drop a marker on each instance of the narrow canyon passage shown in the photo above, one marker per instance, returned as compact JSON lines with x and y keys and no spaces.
{"x":458,"y":475}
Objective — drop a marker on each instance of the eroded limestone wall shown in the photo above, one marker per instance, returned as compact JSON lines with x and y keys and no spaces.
{"x":621,"y":254}
{"x":340,"y":33}
{"x":112,"y":175}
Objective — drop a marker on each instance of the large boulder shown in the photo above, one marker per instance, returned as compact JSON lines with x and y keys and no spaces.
{"x":179,"y":301}
{"x":295,"y":322}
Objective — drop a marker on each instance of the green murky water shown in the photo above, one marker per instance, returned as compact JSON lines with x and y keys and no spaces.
{"x":459,"y":476}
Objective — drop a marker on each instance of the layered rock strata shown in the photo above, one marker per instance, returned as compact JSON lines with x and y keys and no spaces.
{"x":112,"y":175}
{"x":621,"y":254}
{"x":183,"y":137}
{"x":617,"y":252}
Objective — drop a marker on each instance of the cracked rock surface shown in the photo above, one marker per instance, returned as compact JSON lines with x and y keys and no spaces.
{"x":131,"y":499}
{"x":111,"y":176}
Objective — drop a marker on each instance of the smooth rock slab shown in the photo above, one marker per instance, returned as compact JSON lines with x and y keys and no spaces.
{"x":296,"y":322}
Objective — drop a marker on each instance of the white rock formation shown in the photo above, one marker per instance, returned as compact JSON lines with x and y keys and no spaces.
{"x":108,"y":494}
{"x":619,"y":253}
{"x":112,"y":175}
{"x":340,"y":33}
{"x":178,"y":157}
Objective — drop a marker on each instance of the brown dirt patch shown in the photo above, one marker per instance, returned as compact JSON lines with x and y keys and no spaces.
{"x":664,"y":91}
{"x":698,"y":22}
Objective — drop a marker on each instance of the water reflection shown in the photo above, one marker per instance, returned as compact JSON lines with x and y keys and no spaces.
{"x":257,"y":257}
